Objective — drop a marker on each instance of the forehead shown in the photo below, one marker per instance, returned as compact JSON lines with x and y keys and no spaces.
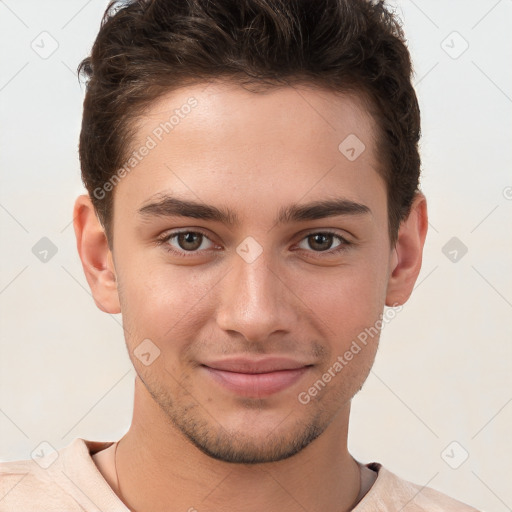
{"x":221,"y":140}
{"x":223,"y":107}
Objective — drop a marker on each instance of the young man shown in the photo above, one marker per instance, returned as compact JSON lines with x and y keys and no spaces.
{"x":253,"y":206}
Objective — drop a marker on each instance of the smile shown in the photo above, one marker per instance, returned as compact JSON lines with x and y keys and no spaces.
{"x":256,"y":378}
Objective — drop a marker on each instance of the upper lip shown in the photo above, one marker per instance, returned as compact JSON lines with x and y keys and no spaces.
{"x":253,"y":365}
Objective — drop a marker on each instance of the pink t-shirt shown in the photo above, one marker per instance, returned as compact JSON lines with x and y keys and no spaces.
{"x":68,"y":480}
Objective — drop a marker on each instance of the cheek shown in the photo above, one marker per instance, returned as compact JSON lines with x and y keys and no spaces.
{"x":351,"y":306}
{"x":347,"y":300}
{"x":162,"y":302}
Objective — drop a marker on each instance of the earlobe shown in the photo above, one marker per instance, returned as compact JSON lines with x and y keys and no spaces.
{"x":405,"y":263}
{"x":96,"y":257}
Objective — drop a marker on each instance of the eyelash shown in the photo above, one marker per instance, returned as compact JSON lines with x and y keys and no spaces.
{"x":162,"y":241}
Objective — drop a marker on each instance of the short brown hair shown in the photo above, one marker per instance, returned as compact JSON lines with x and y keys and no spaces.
{"x":147,"y":48}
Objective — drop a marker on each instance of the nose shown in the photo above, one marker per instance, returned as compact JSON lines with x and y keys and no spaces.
{"x":255,"y":300}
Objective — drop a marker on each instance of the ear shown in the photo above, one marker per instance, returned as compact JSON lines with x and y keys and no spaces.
{"x":405,"y":263}
{"x":97,"y":259}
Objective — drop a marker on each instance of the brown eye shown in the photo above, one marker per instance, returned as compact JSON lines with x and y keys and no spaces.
{"x":189,"y":241}
{"x":182,"y":242}
{"x":323,"y":242}
{"x":320,"y":241}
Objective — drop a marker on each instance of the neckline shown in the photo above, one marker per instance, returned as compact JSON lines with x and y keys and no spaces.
{"x":369,"y":473}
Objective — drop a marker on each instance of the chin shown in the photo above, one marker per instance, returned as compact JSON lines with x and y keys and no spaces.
{"x":240,"y":448}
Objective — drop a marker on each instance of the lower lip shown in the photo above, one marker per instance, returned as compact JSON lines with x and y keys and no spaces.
{"x":256,"y":385}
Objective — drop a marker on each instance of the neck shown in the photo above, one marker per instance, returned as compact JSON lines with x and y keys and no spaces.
{"x":159,"y":469}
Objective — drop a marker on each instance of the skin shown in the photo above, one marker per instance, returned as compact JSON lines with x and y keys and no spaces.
{"x":192,"y":442}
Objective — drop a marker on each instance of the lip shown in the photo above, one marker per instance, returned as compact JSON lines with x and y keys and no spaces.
{"x":256,"y":377}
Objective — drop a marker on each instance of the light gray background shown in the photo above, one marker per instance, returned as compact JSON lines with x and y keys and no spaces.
{"x":443,"y":371}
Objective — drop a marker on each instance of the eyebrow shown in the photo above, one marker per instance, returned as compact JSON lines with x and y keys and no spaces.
{"x":168,"y":206}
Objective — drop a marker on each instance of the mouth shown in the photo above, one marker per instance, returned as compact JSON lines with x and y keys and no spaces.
{"x":256,"y":378}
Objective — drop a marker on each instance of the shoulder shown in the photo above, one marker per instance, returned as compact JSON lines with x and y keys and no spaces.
{"x":391,"y":493}
{"x":55,"y":480}
{"x":27,"y":484}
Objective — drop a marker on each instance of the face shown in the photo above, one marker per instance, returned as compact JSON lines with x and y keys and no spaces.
{"x":252,"y":249}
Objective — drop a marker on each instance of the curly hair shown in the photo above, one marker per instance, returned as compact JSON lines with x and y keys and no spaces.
{"x":147,"y":48}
